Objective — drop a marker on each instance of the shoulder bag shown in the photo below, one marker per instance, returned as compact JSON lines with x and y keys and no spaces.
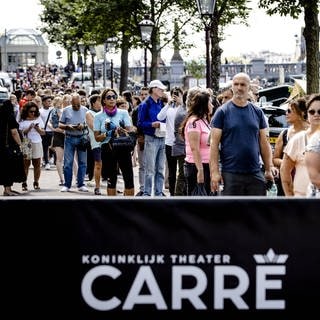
{"x":15,"y":160}
{"x":26,"y":147}
{"x":84,"y":143}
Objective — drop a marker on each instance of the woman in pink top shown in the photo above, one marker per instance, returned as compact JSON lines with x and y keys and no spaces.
{"x":196,"y":131}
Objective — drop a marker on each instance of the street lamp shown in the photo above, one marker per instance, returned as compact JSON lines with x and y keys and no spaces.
{"x":109,"y":44}
{"x":146,"y":27}
{"x":81,"y":62}
{"x":206,"y":8}
{"x":93,"y":54}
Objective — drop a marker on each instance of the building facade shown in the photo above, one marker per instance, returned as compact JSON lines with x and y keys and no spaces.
{"x":21,"y":48}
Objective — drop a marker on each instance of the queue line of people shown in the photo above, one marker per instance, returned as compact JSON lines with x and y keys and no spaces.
{"x":221,"y":144}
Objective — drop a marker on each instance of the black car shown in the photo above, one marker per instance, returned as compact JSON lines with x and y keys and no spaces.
{"x":276,"y":95}
{"x":276,"y":120}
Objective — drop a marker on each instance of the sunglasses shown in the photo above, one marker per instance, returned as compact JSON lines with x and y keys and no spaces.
{"x":114,"y":97}
{"x":32,"y":111}
{"x":313,"y":112}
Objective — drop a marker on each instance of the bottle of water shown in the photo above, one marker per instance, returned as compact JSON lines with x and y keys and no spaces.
{"x":273,"y":191}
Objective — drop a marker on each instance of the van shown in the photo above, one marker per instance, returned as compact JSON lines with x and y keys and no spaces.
{"x":81,"y":79}
{"x":4,"y":76}
{"x":4,"y":95}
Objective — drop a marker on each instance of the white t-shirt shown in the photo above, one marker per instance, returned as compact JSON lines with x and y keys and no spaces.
{"x":33,"y":134}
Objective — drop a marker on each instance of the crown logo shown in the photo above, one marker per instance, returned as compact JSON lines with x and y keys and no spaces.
{"x":270,"y":258}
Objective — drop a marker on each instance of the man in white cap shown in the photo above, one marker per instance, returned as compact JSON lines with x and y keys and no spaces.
{"x":154,"y":147}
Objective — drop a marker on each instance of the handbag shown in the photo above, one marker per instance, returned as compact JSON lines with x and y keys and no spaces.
{"x":84,"y":142}
{"x":124,"y":140}
{"x":15,"y":160}
{"x":199,"y":190}
{"x":26,"y":148}
{"x":15,"y":157}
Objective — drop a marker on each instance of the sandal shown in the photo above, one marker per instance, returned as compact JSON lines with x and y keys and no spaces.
{"x":36,"y":185}
{"x":24,"y":186}
{"x":97,"y":192}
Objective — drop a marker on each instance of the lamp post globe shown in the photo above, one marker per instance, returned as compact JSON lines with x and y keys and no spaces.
{"x":206,"y":7}
{"x":146,"y":28}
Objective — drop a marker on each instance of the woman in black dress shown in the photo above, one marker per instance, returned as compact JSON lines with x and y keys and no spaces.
{"x":11,"y":165}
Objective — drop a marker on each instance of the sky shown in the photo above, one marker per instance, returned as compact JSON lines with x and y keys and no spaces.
{"x":275,"y":33}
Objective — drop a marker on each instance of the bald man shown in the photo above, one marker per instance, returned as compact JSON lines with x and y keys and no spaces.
{"x":238,"y":142}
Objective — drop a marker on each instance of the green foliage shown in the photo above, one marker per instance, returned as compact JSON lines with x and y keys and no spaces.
{"x":292,"y":8}
{"x":196,"y":69}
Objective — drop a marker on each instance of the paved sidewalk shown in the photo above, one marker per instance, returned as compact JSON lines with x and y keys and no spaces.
{"x":49,"y":186}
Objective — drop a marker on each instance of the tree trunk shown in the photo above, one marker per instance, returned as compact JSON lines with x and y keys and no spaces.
{"x":311,"y":35}
{"x":216,"y":52}
{"x":124,"y":64}
{"x":154,"y":56}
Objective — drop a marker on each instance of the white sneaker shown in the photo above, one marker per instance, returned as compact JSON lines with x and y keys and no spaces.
{"x":47,"y":166}
{"x":91,"y":184}
{"x":64,"y":189}
{"x":83,"y":189}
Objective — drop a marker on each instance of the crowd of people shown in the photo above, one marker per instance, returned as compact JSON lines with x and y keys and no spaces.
{"x":184,"y":138}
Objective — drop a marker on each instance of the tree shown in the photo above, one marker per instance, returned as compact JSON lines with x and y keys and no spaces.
{"x":196,"y":69}
{"x":70,"y":22}
{"x":226,"y":12}
{"x":169,"y":16}
{"x":184,"y":11}
{"x":294,"y":8}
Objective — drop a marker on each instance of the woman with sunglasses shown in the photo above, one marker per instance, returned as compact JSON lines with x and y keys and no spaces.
{"x":313,"y":148}
{"x":32,"y":126}
{"x":294,"y":156}
{"x":106,"y":123}
{"x":296,"y":116}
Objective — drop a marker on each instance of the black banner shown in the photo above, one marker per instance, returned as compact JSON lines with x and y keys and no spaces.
{"x":210,"y":258}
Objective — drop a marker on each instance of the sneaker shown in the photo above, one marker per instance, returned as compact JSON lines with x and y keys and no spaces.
{"x":139,"y":194}
{"x":97,"y":192}
{"x":83,"y":189}
{"x":47,"y":166}
{"x":91,"y":183}
{"x":64,"y":189}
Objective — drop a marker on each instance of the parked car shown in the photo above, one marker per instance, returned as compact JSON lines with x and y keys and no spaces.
{"x":83,"y":80}
{"x":276,"y":119}
{"x":276,"y":95}
{"x":4,"y":94}
{"x":6,"y":80}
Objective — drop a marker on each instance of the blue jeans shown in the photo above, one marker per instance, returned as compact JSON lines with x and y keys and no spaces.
{"x":70,"y":147}
{"x":154,"y":159}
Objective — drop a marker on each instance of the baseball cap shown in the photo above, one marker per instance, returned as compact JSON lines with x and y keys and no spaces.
{"x":157,"y":84}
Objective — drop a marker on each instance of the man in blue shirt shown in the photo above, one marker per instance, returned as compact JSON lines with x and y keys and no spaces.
{"x":154,"y":147}
{"x":238,"y":139}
